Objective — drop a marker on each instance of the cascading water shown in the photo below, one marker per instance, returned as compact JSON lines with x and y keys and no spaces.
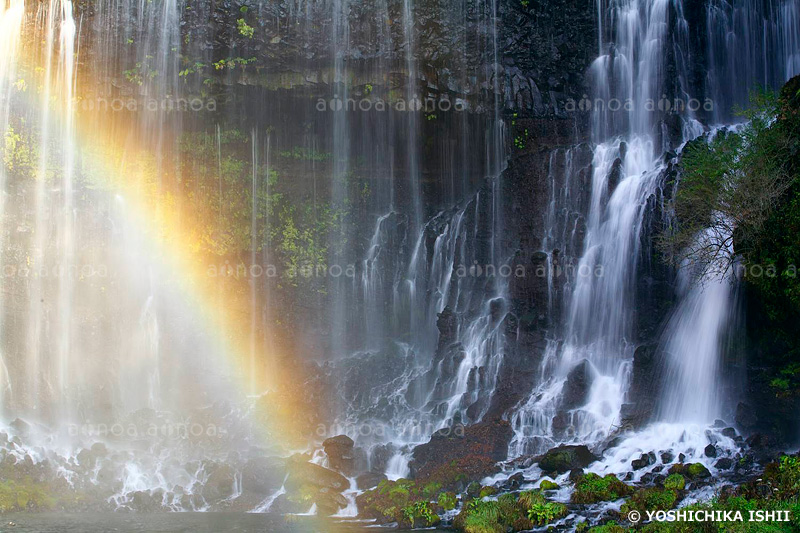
{"x":11,"y":17}
{"x":599,"y":331}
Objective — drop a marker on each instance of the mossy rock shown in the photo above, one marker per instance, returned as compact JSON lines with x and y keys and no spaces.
{"x":547,"y":484}
{"x":487,"y":491}
{"x":25,"y":495}
{"x":508,"y":513}
{"x":650,"y":499}
{"x":447,"y":501}
{"x":697,"y":471}
{"x":675,"y":482}
{"x":592,"y":488}
{"x":418,"y":515}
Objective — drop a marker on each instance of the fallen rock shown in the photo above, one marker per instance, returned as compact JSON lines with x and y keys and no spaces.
{"x":565,"y":458}
{"x":644,"y":460}
{"x":725,"y":463}
{"x":301,"y":473}
{"x":339,"y":450}
{"x":368,"y":480}
{"x":262,"y":475}
{"x":710,"y":451}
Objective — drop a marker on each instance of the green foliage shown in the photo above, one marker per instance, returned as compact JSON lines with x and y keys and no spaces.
{"x":141,"y":72}
{"x":244,"y":29}
{"x":509,"y":513}
{"x":674,"y":482}
{"x":650,"y":499}
{"x":302,"y":153}
{"x":420,"y":512}
{"x":447,"y":501}
{"x":487,"y":491}
{"x":233,"y":62}
{"x":24,"y":495}
{"x":744,"y":186}
{"x":18,"y":155}
{"x":543,"y":513}
{"x":431,"y":490}
{"x":592,"y":488}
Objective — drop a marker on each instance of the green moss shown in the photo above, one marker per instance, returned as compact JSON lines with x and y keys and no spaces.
{"x":546,"y":484}
{"x":24,"y":495}
{"x":650,"y":499}
{"x":474,"y":488}
{"x":674,"y":482}
{"x":431,"y":490}
{"x":447,"y":501}
{"x":509,"y":513}
{"x":592,"y":488}
{"x":487,"y":491}
{"x":697,"y":471}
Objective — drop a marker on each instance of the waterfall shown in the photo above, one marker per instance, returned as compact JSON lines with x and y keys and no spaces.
{"x":598,"y":333}
{"x":11,"y":16}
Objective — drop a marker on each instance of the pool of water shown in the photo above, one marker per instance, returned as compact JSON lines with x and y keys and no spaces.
{"x":177,"y":523}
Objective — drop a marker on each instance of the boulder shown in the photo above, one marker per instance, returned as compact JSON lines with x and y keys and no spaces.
{"x":710,"y":451}
{"x":262,"y":475}
{"x":565,"y":458}
{"x":220,"y":482}
{"x":644,"y":460}
{"x":339,"y":450}
{"x":725,"y":463}
{"x":576,"y":388}
{"x":301,"y":473}
{"x":368,"y":480}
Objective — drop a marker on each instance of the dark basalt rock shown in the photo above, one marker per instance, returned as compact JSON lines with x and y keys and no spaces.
{"x":565,"y":458}
{"x":301,"y":473}
{"x":643,"y":390}
{"x":710,"y":451}
{"x":262,"y":475}
{"x":220,"y":482}
{"x":475,"y":450}
{"x":725,"y":463}
{"x":644,"y":460}
{"x":576,"y":389}
{"x":339,"y":450}
{"x":746,"y":416}
{"x":368,"y":480}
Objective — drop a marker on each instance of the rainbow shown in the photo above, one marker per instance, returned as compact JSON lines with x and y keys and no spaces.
{"x":112,"y":153}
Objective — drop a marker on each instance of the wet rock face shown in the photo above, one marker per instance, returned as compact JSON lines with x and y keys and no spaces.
{"x":644,"y":388}
{"x":576,"y":389}
{"x":475,"y":449}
